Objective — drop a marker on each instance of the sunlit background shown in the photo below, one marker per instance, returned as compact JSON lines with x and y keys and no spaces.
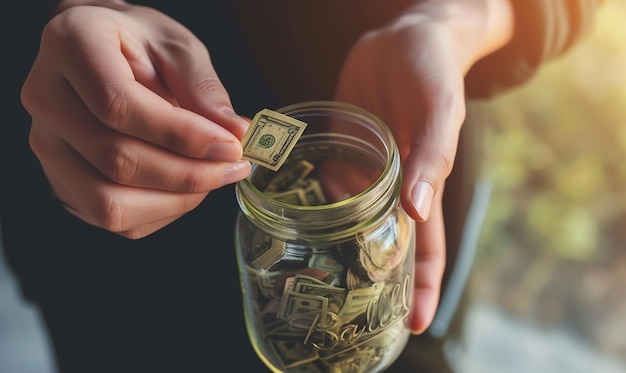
{"x":548,"y":287}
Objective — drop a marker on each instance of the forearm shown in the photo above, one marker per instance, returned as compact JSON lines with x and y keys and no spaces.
{"x":544,"y":30}
{"x":480,"y":26}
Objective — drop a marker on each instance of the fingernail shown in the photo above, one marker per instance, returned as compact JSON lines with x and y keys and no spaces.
{"x":235,"y":172}
{"x":224,"y":151}
{"x":422,"y":197}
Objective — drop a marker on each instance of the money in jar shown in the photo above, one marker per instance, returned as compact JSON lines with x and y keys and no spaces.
{"x":325,"y":251}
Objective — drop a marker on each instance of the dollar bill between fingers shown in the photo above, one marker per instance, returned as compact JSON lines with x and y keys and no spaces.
{"x":270,"y":138}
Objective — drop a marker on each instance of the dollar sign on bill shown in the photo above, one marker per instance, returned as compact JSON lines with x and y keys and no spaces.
{"x":270,"y":138}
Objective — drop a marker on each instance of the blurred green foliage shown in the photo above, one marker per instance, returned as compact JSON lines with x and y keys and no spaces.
{"x":556,"y":152}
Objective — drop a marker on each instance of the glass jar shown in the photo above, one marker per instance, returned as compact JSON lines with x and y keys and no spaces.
{"x":325,"y":250}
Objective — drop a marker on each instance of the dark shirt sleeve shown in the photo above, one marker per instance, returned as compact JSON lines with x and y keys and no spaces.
{"x":544,"y":30}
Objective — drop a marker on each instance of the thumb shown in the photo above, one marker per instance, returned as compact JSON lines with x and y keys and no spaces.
{"x":430,"y":159}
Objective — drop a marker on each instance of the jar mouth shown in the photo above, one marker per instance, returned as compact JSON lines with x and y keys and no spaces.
{"x":249,"y":184}
{"x":335,"y":129}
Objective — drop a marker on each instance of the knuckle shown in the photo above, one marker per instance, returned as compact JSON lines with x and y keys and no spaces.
{"x":209,"y":85}
{"x":28,"y":97}
{"x":36,"y":144}
{"x":191,"y":181}
{"x":133,"y":234}
{"x":115,"y":109}
{"x":183,"y":43}
{"x":34,"y":99}
{"x":111,"y":214}
{"x":445,"y":161}
{"x":121,"y":165}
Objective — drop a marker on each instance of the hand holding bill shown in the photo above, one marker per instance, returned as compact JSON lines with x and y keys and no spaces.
{"x":130,"y":122}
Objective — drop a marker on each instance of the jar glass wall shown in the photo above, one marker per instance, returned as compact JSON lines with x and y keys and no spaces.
{"x":325,"y":250}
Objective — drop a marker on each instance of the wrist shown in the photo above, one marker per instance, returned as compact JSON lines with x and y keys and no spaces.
{"x":479,"y":27}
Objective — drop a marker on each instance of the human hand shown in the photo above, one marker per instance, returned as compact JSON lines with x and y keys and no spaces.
{"x":130,"y":122}
{"x":410,"y":73}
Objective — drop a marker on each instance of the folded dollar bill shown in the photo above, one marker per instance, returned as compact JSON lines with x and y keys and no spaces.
{"x":270,"y":138}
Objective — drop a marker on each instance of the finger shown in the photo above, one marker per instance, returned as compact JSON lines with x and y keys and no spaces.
{"x":103,"y":78}
{"x":430,"y":257}
{"x":129,"y":161}
{"x":425,"y":122}
{"x":99,"y":201}
{"x":136,"y":233}
{"x":431,"y":152}
{"x":189,"y":74}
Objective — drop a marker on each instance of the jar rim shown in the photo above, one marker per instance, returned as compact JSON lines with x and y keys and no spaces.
{"x":380,"y":187}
